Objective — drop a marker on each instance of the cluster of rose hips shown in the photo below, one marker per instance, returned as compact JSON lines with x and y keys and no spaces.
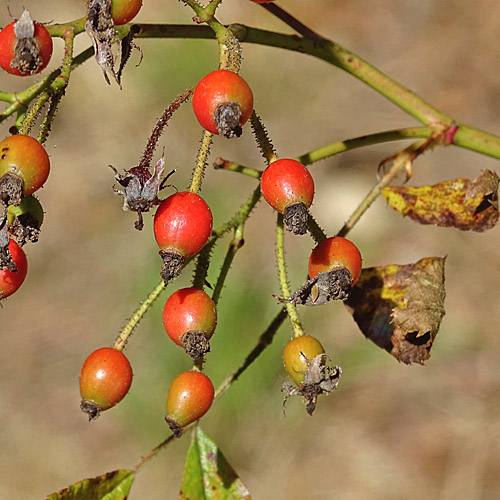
{"x":222,"y":103}
{"x":24,"y":168}
{"x":25,"y":49}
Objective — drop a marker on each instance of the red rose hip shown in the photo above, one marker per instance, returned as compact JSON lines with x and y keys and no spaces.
{"x":333,"y":254}
{"x":223,"y":103}
{"x":25,"y":47}
{"x":289,"y":188}
{"x":190,"y":396}
{"x":105,"y":379}
{"x":182,"y":225}
{"x":190,"y":318}
{"x":13,"y":273}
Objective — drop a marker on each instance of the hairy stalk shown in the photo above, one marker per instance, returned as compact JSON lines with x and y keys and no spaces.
{"x":315,"y":230}
{"x":263,"y":142}
{"x":202,"y":265}
{"x":124,"y":335}
{"x":201,"y":162}
{"x":221,"y":164}
{"x":285,"y":289}
{"x":50,"y":83}
{"x":46,"y":124}
{"x":264,"y":340}
{"x":236,"y":243}
{"x":150,"y":148}
{"x":57,"y":87}
{"x":239,"y":217}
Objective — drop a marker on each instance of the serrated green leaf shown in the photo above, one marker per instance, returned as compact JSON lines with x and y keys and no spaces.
{"x":114,"y":485}
{"x":208,"y":475}
{"x":460,"y":203}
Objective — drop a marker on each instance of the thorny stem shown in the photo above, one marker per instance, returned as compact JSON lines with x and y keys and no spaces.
{"x":153,"y":452}
{"x":201,"y":162}
{"x":236,"y":243}
{"x":221,"y":164}
{"x":150,"y":148}
{"x":335,"y":148}
{"x":57,"y":86}
{"x":57,"y":93}
{"x":122,"y":338}
{"x":264,"y":340}
{"x":263,"y":142}
{"x":467,"y":137}
{"x":315,"y":230}
{"x":285,"y":289}
{"x":49,"y":118}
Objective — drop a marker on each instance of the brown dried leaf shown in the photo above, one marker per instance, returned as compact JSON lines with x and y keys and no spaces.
{"x":400,"y":308}
{"x":459,"y":203}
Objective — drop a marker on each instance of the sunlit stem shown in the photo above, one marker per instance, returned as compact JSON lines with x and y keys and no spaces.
{"x":124,"y":335}
{"x":234,"y":246}
{"x":401,"y":161}
{"x":263,"y":142}
{"x":201,"y":162}
{"x":285,"y":289}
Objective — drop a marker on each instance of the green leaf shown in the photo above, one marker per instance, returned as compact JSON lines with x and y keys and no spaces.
{"x":114,"y":485}
{"x":208,"y":475}
{"x":460,"y":203}
{"x":400,"y":308}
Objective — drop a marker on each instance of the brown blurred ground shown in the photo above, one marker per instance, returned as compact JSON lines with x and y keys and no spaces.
{"x":390,"y":431}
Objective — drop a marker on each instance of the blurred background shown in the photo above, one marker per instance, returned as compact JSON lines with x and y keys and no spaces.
{"x":389,"y":431}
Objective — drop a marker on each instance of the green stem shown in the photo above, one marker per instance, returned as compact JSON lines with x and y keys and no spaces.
{"x":264,"y":340}
{"x":401,"y":161}
{"x":263,"y":141}
{"x":363,"y":141}
{"x":124,"y":335}
{"x":467,"y":136}
{"x":22,"y":99}
{"x":58,"y":30}
{"x":221,"y":164}
{"x":56,"y":87}
{"x":201,"y":162}
{"x":315,"y":229}
{"x":335,"y":148}
{"x":240,"y":216}
{"x":236,"y":243}
{"x":285,"y":289}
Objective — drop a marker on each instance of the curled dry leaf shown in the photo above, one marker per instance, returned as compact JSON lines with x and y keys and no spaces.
{"x":400,"y":308}
{"x":459,"y":203}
